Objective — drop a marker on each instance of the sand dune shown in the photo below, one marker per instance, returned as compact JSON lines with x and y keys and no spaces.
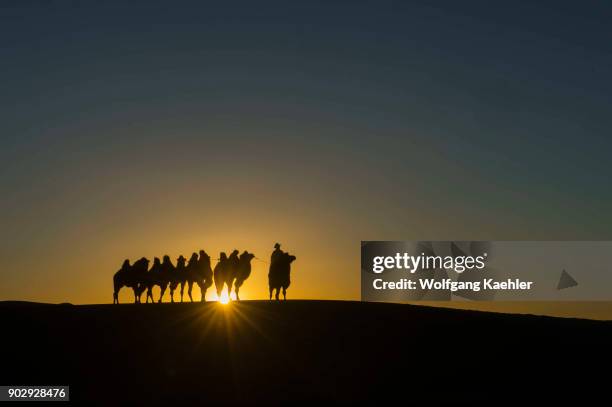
{"x":260,"y":352}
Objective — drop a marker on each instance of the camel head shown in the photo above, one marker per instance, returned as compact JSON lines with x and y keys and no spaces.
{"x":246,"y":256}
{"x":180,"y":261}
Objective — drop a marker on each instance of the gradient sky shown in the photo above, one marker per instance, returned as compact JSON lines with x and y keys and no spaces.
{"x":146,"y":128}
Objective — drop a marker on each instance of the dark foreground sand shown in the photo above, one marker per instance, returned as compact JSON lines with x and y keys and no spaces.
{"x":260,"y":352}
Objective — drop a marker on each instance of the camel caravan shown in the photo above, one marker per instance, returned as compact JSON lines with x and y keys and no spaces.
{"x":230,"y":271}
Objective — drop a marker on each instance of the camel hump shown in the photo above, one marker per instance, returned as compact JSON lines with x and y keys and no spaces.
{"x":234,"y":259}
{"x":126,"y":264}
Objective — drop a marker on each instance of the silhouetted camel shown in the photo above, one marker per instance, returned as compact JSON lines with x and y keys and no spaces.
{"x":153,"y":278}
{"x":279,"y":275}
{"x":204,"y":272}
{"x":160,"y":274}
{"x":165,"y":276}
{"x":243,"y":272}
{"x":223,"y":273}
{"x":177,"y":277}
{"x":198,"y":271}
{"x":192,"y":275}
{"x":232,"y":270}
{"x":130,"y":276}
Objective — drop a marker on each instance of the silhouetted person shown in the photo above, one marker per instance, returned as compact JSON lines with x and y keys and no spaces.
{"x":279,"y":275}
{"x":276,"y":254}
{"x":243,"y":271}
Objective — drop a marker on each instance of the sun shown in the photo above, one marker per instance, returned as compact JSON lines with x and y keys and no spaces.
{"x":224,"y":299}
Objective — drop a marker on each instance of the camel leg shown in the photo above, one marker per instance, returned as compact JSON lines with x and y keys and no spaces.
{"x":237,"y":291}
{"x":139,"y":295}
{"x":203,"y":289}
{"x":135,"y":296}
{"x":115,"y":297}
{"x":277,"y":293}
{"x":182,"y":288}
{"x":229,"y":291}
{"x":189,"y":287}
{"x":284,"y":293}
{"x":271,"y":289}
{"x":163,"y":290}
{"x":171,"y":294}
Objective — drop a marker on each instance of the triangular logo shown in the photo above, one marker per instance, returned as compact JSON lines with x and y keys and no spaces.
{"x":566,"y":281}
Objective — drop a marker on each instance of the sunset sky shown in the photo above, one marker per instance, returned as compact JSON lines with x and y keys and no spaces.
{"x":147,"y":128}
